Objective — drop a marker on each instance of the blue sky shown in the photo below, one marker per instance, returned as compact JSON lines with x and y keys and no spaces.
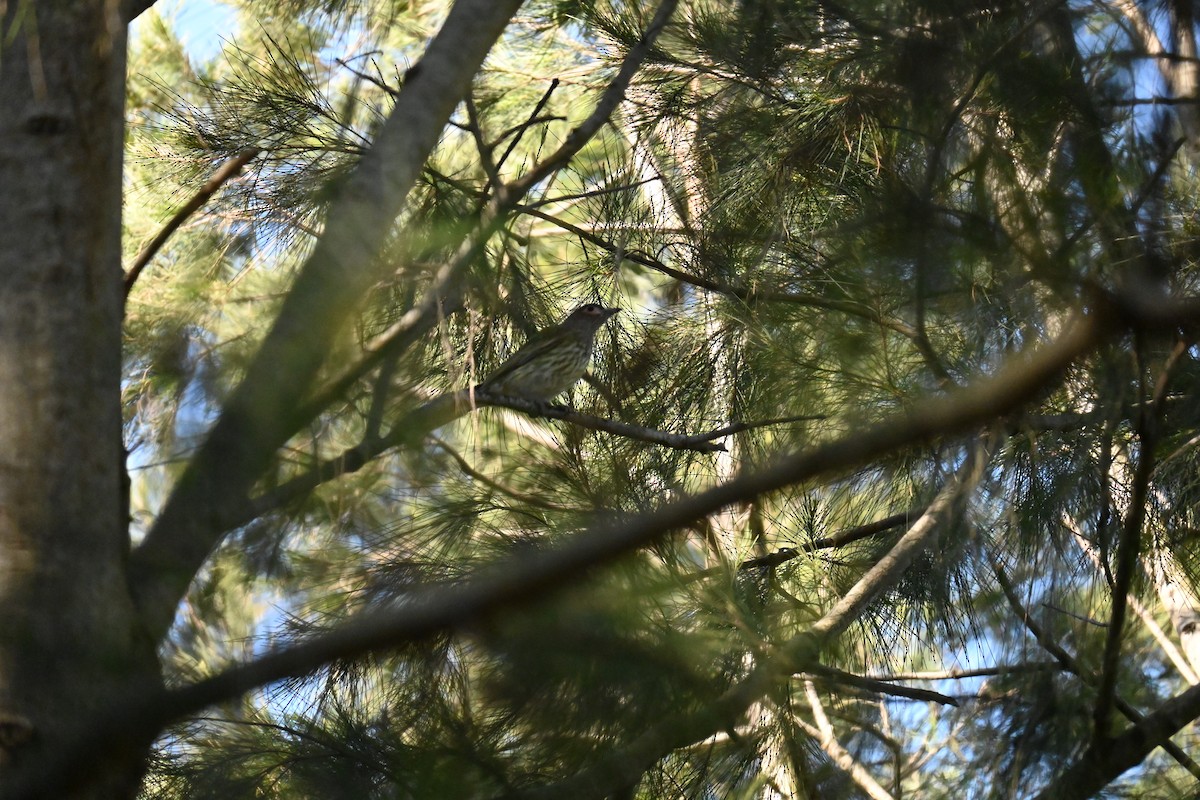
{"x":200,"y":24}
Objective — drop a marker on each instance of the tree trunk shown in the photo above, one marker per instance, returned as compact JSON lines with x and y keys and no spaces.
{"x":68,"y":638}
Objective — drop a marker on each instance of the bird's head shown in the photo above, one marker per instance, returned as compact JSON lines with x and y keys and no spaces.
{"x":589,"y":315}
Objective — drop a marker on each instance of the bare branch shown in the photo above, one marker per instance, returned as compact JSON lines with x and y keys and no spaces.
{"x":1129,"y":547}
{"x":1100,"y":765}
{"x":432,"y":415}
{"x":260,"y":415}
{"x":839,"y":539}
{"x":612,"y":96}
{"x":1069,"y":663}
{"x":492,"y":483}
{"x":374,"y":80}
{"x":825,"y":738}
{"x":531,"y":576}
{"x":880,"y":687}
{"x":481,"y":147}
{"x":227,"y":171}
{"x":964,"y":674}
{"x":518,"y":132}
{"x":742,"y":293}
{"x":887,"y":571}
{"x":738,"y":427}
{"x":701,"y":442}
{"x":135,"y":8}
{"x":845,"y":537}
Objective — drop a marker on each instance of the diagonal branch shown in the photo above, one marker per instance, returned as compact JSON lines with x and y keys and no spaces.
{"x":226,"y":172}
{"x":1101,"y":764}
{"x":700,"y":442}
{"x":531,"y":576}
{"x":825,"y":738}
{"x":800,"y":654}
{"x":1128,"y":551}
{"x":839,"y":539}
{"x":432,"y":415}
{"x":877,"y":686}
{"x":887,"y":571}
{"x":260,"y":415}
{"x":135,"y":8}
{"x":730,"y":290}
{"x":1070,"y":664}
{"x":607,"y":104}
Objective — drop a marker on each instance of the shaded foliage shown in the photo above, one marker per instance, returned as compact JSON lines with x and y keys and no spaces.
{"x":815,"y":216}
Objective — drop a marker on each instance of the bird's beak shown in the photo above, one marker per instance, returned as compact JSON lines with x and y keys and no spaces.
{"x":608,"y":312}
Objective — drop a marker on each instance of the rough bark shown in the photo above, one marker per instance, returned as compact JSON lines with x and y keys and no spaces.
{"x":68,"y":634}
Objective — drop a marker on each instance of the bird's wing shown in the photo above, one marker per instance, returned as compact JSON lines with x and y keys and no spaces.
{"x":539,"y":344}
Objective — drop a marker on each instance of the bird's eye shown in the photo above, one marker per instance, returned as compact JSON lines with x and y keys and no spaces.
{"x":591,"y":308}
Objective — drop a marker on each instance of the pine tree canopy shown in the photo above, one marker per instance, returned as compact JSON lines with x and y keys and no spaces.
{"x":883,"y":483}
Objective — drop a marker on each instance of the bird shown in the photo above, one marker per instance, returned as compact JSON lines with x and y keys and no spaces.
{"x":550,"y":363}
{"x":553,"y":359}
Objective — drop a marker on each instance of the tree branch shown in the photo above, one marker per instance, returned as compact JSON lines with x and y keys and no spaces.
{"x":800,"y":654}
{"x":612,"y":96}
{"x":260,"y":414}
{"x":839,"y":539}
{"x":1071,"y":665}
{"x":877,"y":686}
{"x":520,"y":580}
{"x":432,"y":415}
{"x":1100,"y":765}
{"x":730,"y":290}
{"x":824,"y":736}
{"x":495,"y":485}
{"x":1128,"y":550}
{"x":887,"y":571}
{"x":135,"y":8}
{"x":227,"y":171}
{"x":700,"y":442}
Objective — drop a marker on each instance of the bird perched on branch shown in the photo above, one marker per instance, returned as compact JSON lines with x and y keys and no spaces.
{"x":547,"y":365}
{"x":553,"y":359}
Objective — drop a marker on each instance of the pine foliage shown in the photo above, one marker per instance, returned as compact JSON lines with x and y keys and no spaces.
{"x":817,"y":218}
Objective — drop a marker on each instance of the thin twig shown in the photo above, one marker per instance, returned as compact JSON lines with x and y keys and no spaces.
{"x":481,"y":147}
{"x":742,"y":293}
{"x":880,"y":687}
{"x":588,"y":195}
{"x":839,"y":539}
{"x":826,"y":739}
{"x":699,"y":442}
{"x":230,"y":169}
{"x":966,"y":674}
{"x":533,"y":575}
{"x":1129,"y":547}
{"x":1068,"y":662}
{"x":738,"y":427}
{"x":521,"y":129}
{"x":369,"y":78}
{"x":887,"y":571}
{"x":533,"y":121}
{"x":613,"y":94}
{"x":492,"y":483}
